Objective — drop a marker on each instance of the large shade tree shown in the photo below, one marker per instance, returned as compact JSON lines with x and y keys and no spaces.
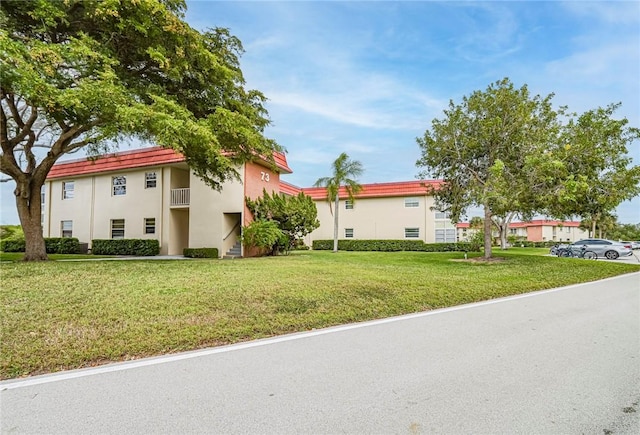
{"x":480,"y":149}
{"x":89,"y":74}
{"x":588,"y":171}
{"x":345,"y":174}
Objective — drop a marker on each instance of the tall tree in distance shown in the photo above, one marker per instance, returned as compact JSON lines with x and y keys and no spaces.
{"x":590,"y":170}
{"x":480,"y":150}
{"x":86,"y":74}
{"x":345,"y":173}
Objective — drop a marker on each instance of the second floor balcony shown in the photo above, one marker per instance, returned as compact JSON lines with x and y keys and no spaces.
{"x":180,"y":197}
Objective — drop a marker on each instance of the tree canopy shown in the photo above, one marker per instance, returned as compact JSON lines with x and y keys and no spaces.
{"x":480,"y":149}
{"x":514,"y":154}
{"x":589,"y":169}
{"x":89,"y":74}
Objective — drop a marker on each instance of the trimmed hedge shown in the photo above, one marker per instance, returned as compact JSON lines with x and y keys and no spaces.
{"x":62,"y":245}
{"x":53,"y":245}
{"x":200,"y":252}
{"x":16,"y":245}
{"x":395,"y":245}
{"x":545,"y":244}
{"x":139,"y":247}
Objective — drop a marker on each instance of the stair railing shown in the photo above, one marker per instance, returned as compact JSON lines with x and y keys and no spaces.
{"x":232,"y":231}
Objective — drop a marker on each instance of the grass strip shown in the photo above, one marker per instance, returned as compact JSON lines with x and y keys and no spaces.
{"x":65,"y":315}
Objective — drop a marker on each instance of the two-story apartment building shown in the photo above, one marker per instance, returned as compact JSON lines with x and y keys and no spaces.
{"x":151,"y":193}
{"x":391,"y":211}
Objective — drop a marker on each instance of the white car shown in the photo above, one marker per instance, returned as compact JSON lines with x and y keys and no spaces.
{"x":634,"y":244}
{"x":604,"y":248}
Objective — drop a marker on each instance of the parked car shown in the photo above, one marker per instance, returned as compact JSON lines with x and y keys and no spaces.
{"x":604,"y":248}
{"x":634,"y":244}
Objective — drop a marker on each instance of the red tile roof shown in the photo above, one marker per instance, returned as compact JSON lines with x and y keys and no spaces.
{"x":139,"y":158}
{"x":534,"y":223}
{"x":378,"y":190}
{"x":289,"y":189}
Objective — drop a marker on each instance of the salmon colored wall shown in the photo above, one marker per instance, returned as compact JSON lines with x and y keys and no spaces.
{"x":256,"y":179}
{"x":534,"y":234}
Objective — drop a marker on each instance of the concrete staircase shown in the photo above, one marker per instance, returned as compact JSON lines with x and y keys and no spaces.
{"x":234,"y":252}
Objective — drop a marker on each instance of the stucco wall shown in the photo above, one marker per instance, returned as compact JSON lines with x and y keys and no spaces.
{"x":94,"y":206}
{"x":383,"y":218}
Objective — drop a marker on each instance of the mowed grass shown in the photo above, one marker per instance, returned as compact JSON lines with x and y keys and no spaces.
{"x":65,"y":315}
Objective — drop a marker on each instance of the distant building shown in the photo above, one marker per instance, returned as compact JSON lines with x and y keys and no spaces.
{"x":535,"y":231}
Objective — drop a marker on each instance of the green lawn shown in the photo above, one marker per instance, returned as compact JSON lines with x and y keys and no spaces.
{"x":63,"y":315}
{"x":17,"y":256}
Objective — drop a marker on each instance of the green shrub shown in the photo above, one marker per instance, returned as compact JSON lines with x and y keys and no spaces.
{"x":266,"y":236}
{"x":62,"y":245}
{"x":139,"y":247}
{"x":394,"y":245}
{"x":12,"y":245}
{"x":545,"y":244}
{"x":53,"y":245}
{"x":11,"y":232}
{"x":200,"y":252}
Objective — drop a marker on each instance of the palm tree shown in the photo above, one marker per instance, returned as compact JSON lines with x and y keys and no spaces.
{"x":343,"y":169}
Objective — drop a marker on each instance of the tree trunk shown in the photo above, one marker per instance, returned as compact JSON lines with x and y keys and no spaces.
{"x":335,"y":225}
{"x":28,"y":203}
{"x":503,"y":237}
{"x":487,"y":232}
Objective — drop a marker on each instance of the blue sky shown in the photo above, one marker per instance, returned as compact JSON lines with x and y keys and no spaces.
{"x":367,"y":78}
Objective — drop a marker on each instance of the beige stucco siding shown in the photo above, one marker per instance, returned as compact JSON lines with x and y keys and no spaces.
{"x":94,"y":205}
{"x":212,"y":213}
{"x":380,"y":218}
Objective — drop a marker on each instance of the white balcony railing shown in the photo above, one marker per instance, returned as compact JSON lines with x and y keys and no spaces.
{"x":180,"y":197}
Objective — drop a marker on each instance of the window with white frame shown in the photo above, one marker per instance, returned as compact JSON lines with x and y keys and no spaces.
{"x":66,"y":228}
{"x":117,"y":228}
{"x":119,"y":185}
{"x":150,"y":180}
{"x":445,"y":235}
{"x":348,"y":233}
{"x":412,"y":233}
{"x":68,"y":188}
{"x":411,"y":202}
{"x":150,"y":225}
{"x":442,"y":215}
{"x":348,"y":204}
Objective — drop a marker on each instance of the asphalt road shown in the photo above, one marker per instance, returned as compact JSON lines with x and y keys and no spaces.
{"x":560,"y":361}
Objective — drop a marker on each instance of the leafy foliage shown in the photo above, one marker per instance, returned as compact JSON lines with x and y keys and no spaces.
{"x":396,"y":245}
{"x":90,"y":74}
{"x":200,"y":252}
{"x":265,"y":235}
{"x":138,"y":247}
{"x":296,"y":216}
{"x":509,"y":153}
{"x":589,"y":169}
{"x":480,"y":150}
{"x":53,"y":245}
{"x":625,"y":232}
{"x":11,"y":232}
